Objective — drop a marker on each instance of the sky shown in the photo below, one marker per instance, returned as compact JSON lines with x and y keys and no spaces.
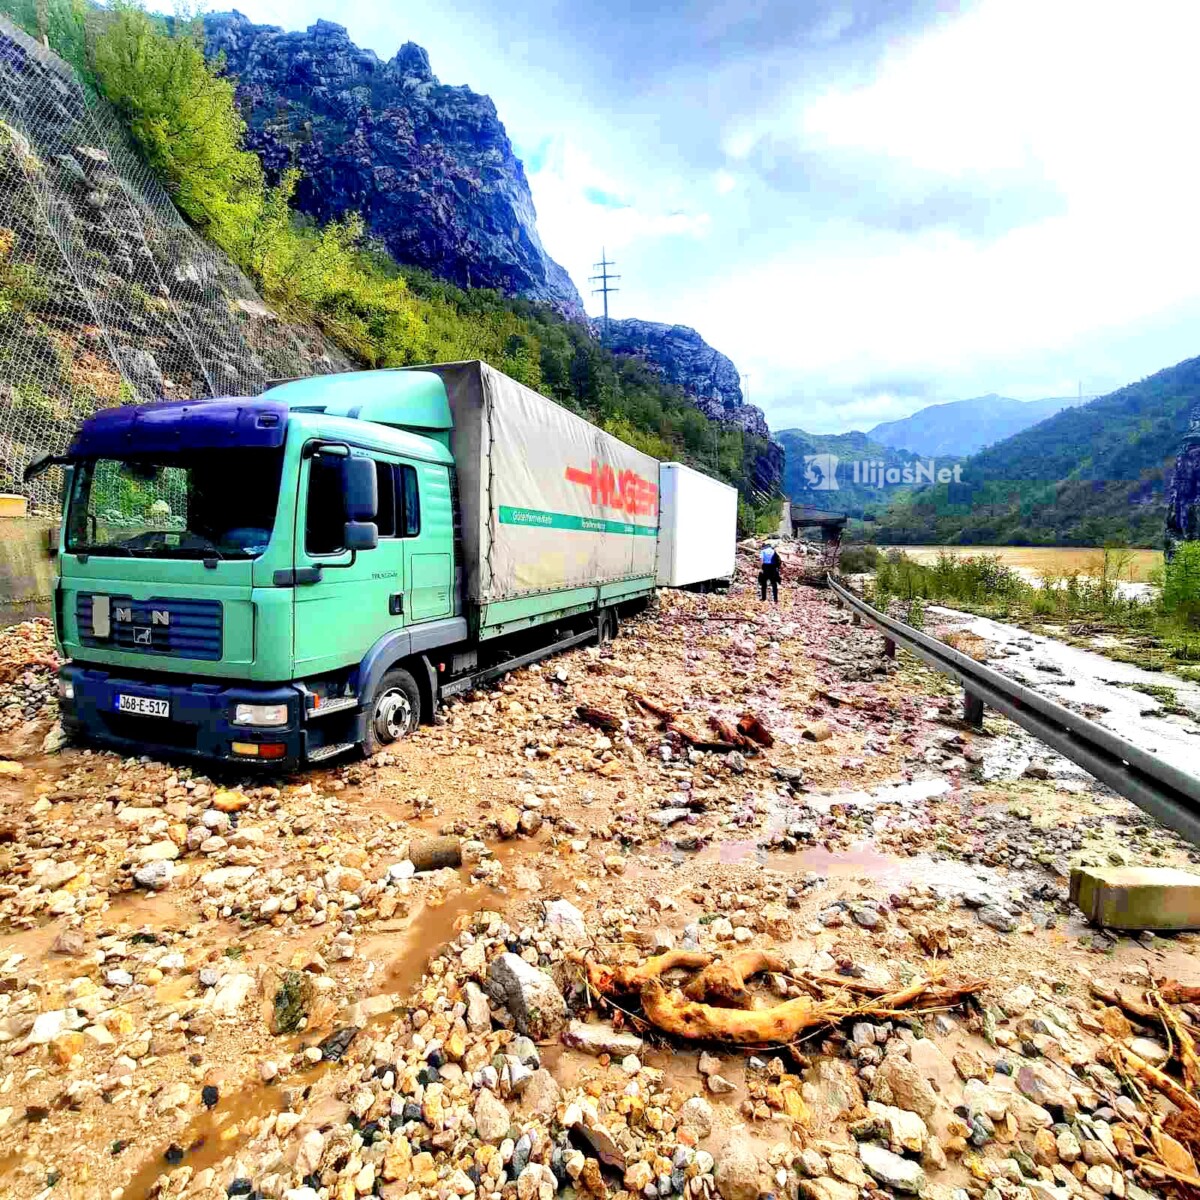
{"x":869,"y":205}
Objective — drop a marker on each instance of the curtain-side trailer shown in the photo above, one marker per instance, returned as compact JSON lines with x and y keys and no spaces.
{"x":277,"y":580}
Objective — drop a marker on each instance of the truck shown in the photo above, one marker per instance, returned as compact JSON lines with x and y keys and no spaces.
{"x":276,"y":580}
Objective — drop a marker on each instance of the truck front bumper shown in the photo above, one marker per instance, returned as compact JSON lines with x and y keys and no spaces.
{"x":200,"y":721}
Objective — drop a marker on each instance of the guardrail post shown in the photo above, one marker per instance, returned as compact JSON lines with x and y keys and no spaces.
{"x":972,"y":709}
{"x":889,"y":648}
{"x":858,"y":618}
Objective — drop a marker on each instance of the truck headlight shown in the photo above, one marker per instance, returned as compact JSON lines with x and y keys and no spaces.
{"x":66,"y":690}
{"x":260,"y":714}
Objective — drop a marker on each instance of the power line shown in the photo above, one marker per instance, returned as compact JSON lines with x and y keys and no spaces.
{"x":603,"y":278}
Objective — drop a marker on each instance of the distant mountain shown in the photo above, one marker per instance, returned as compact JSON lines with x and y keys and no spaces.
{"x":963,"y":427}
{"x":864,"y":491}
{"x":1089,"y":475}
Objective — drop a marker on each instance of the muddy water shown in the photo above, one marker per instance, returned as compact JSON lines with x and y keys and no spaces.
{"x":218,"y":1134}
{"x":1036,"y":561}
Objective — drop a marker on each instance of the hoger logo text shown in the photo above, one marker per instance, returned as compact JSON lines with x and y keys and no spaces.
{"x":627,"y":492}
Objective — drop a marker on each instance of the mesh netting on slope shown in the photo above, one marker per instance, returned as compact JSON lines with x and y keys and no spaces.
{"x":106,"y":296}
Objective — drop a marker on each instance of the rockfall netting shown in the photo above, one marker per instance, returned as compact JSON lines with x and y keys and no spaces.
{"x":106,"y":295}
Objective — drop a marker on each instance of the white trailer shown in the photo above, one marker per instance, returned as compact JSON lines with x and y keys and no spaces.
{"x":697,"y":528}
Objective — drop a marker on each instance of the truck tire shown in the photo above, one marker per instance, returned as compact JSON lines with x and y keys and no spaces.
{"x":394,"y":711}
{"x":606,"y":626}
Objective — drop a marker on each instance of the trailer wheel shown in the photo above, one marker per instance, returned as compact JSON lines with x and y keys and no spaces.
{"x":395,"y":711}
{"x":606,"y":625}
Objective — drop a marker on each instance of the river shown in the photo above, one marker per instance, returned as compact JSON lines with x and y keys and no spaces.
{"x":1035,"y":561}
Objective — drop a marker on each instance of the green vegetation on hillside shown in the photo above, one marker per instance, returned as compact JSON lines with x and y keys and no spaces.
{"x":181,"y":112}
{"x":1086,"y":477}
{"x":860,"y":500}
{"x":1159,"y":633}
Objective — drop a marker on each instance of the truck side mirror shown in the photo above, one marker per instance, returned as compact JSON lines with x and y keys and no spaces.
{"x":360,"y":491}
{"x":360,"y":535}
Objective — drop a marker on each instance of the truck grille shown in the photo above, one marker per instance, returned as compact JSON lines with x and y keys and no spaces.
{"x":192,"y":628}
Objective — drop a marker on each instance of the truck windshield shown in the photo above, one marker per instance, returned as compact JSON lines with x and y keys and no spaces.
{"x":214,"y":504}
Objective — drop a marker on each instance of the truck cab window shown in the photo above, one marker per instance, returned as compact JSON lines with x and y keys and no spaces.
{"x":411,"y":513}
{"x":326,"y":512}
{"x":385,"y":480}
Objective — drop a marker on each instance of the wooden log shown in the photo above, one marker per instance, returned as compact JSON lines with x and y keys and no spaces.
{"x":607,"y":721}
{"x":724,"y":982}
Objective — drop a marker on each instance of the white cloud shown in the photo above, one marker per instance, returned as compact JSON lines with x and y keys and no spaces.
{"x":1095,"y":97}
{"x":724,"y":182}
{"x":579,"y":214}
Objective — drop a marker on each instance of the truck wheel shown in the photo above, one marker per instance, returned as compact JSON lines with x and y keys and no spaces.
{"x":606,"y":625}
{"x":395,"y":711}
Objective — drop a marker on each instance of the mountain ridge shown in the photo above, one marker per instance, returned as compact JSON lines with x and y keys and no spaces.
{"x":962,"y":427}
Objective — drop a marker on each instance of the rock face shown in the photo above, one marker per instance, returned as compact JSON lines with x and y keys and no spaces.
{"x":1183,"y":496}
{"x":684,"y":358}
{"x":429,"y":167}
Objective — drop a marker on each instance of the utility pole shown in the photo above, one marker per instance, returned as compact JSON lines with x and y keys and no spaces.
{"x":603,"y":290}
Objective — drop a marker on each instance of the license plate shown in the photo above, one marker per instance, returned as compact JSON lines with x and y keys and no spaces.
{"x":143,"y":706}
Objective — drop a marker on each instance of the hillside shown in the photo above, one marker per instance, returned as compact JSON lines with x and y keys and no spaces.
{"x":964,"y":427}
{"x":174,"y":123}
{"x":1088,"y":475}
{"x":865,"y":498}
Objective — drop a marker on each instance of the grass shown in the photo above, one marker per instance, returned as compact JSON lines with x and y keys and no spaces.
{"x":1159,"y":632}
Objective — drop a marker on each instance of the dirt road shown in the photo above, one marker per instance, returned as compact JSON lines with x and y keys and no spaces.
{"x":369,"y":980}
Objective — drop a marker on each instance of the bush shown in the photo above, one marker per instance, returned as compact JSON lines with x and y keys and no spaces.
{"x":858,"y":560}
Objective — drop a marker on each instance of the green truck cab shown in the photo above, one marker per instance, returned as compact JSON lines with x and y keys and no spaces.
{"x":280,"y":579}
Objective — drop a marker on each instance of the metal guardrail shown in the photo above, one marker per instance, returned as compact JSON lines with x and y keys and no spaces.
{"x":1165,"y":792}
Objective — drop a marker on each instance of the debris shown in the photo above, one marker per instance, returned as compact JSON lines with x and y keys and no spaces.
{"x":432,"y":854}
{"x":1157,"y":898}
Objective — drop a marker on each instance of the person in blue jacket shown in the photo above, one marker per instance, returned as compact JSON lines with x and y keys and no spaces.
{"x":769,"y":571}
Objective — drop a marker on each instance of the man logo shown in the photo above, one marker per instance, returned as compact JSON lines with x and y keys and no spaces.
{"x":158,"y":616}
{"x":820,"y":472}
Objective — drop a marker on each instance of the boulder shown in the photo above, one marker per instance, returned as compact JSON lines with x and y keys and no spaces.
{"x":529,"y":994}
{"x":900,"y":1174}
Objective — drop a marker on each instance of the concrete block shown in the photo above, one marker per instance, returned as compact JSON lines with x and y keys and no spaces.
{"x":1158,"y":898}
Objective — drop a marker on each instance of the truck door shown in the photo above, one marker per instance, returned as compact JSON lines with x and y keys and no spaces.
{"x":428,"y":533}
{"x":339,"y":617}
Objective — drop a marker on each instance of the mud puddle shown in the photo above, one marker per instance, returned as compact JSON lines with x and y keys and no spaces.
{"x":217,"y":1135}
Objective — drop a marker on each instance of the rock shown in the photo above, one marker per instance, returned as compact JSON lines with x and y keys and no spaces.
{"x":638,"y":1176}
{"x":696,"y":1115}
{"x":566,"y":920}
{"x":429,"y":166}
{"x":492,"y":1119}
{"x":997,"y":917}
{"x":542,"y":1093}
{"x":291,"y":1002}
{"x":479,"y":1013}
{"x":898,"y":1081}
{"x":226,"y":877}
{"x":737,"y":1175}
{"x":69,"y":943}
{"x":1100,"y":1178}
{"x":848,"y":1168}
{"x":708,"y":1064}
{"x":601,"y":1038}
{"x":900,"y":1174}
{"x":229,"y":801}
{"x":904,"y":1130}
{"x":1156,"y":898}
{"x":719,"y":1085}
{"x":1067,"y":1146}
{"x":47,"y":1026}
{"x":1044,"y":1089}
{"x":826,"y":1188}
{"x":155,"y":876}
{"x":432,"y":854}
{"x":530,"y":995}
{"x":227,"y":998}
{"x":164,"y":851}
{"x":1017,"y":1000}
{"x":536,"y":1182}
{"x":682,"y":357}
{"x":831,"y":1090}
{"x":866,"y":915}
{"x":1155,"y":1053}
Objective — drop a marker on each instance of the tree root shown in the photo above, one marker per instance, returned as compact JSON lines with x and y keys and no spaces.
{"x":724,"y":983}
{"x":683,"y":1018}
{"x":715,"y":1004}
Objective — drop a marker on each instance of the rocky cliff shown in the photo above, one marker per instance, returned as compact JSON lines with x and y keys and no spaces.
{"x":429,"y":167}
{"x":106,"y":296}
{"x":1183,"y":495}
{"x":683,"y":357}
